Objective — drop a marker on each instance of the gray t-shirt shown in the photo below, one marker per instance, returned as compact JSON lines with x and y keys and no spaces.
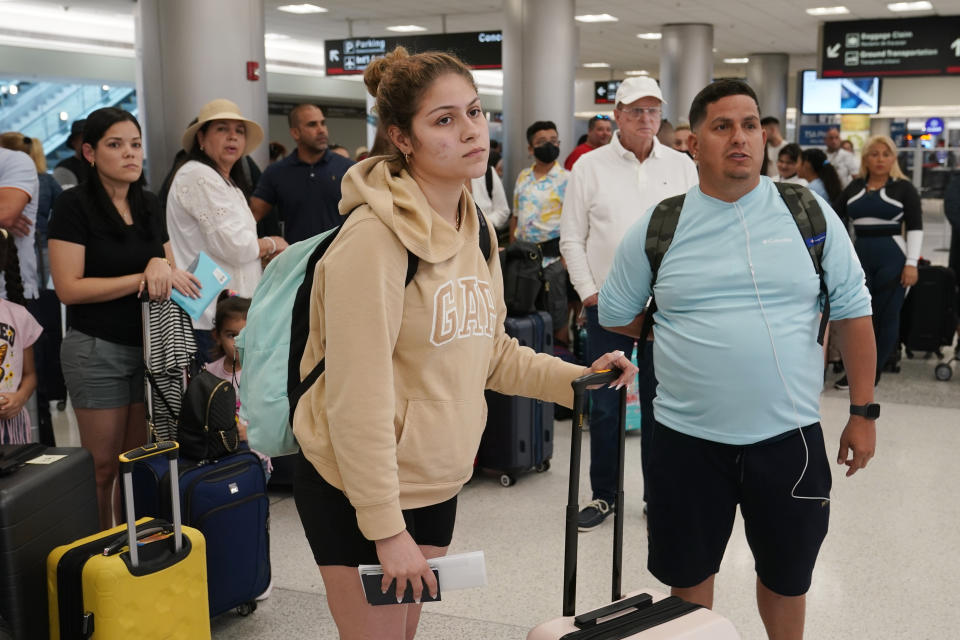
{"x":17,"y":171}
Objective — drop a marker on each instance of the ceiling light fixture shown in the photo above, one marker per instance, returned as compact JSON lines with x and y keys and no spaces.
{"x":596,"y":65}
{"x":736,"y":60}
{"x":650,"y":36}
{"x":273,"y":37}
{"x":597,"y":17}
{"x":301,"y":8}
{"x":637,"y":72}
{"x":828,"y":11}
{"x":406,"y":28}
{"x":909,"y":6}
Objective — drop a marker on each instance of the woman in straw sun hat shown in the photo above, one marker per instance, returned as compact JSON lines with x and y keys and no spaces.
{"x":207,"y":206}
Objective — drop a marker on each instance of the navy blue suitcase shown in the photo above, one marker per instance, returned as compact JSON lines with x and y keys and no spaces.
{"x":519,"y":432}
{"x":226,"y":500}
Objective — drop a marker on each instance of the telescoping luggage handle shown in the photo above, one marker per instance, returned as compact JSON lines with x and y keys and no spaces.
{"x":169,"y":449}
{"x":570,"y":540}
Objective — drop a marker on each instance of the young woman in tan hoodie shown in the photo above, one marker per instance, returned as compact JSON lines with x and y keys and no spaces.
{"x":389,"y":432}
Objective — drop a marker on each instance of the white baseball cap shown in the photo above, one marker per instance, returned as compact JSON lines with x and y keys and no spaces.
{"x":632,"y":89}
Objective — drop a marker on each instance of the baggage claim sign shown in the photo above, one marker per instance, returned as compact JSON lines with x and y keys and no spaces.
{"x":480,"y":50}
{"x":927,"y":46}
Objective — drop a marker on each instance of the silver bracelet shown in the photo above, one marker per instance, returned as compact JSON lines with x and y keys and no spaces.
{"x":273,"y":245}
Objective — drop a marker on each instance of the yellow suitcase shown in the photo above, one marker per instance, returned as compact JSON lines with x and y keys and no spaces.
{"x":108,"y":587}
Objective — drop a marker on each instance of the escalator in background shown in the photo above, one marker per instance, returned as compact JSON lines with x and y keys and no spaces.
{"x":44,"y":110}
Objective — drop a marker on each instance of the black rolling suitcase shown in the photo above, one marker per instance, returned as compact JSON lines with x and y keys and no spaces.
{"x":42,"y":506}
{"x":519,"y":432}
{"x":928,"y":319}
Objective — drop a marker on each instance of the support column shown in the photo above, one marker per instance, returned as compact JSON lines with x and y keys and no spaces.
{"x":189,"y":53}
{"x":540,"y":51}
{"x":686,"y":66}
{"x":767,"y":74}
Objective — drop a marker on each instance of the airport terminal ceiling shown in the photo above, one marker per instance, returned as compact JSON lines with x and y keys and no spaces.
{"x":741,"y":27}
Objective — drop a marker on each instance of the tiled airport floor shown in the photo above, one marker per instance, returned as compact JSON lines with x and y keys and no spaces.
{"x":888,"y":568}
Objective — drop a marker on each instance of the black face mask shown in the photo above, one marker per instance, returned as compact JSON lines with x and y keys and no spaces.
{"x":547,"y":152}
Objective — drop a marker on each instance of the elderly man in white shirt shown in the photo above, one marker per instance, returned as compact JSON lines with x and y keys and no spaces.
{"x":846,"y":163}
{"x":610,"y":189}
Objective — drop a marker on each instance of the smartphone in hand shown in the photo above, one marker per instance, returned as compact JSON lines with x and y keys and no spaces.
{"x":371,"y":588}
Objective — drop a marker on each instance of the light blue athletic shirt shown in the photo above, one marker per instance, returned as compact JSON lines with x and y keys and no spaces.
{"x":715,"y":365}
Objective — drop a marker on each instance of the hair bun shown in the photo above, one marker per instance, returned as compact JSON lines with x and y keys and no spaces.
{"x":379,"y":67}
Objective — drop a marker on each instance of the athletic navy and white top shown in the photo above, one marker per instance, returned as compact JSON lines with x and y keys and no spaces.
{"x":884,"y":211}
{"x":717,"y":370}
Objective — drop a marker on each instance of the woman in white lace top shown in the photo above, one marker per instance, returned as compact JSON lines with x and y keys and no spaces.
{"x":207,"y":207}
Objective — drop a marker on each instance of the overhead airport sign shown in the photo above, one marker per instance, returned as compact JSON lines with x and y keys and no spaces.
{"x":928,"y":46}
{"x":605,"y":92}
{"x":480,"y":50}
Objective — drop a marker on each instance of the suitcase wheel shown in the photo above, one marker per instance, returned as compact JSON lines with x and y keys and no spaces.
{"x":247,"y":608}
{"x":943,"y":372}
{"x":507,"y":480}
{"x":543,"y":466}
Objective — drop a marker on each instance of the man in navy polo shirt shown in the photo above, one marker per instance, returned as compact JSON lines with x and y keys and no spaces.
{"x":304,"y":186}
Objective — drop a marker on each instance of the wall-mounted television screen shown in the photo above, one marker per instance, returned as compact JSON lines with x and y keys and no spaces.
{"x":838,"y":95}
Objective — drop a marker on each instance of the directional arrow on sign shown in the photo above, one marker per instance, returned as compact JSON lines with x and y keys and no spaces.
{"x":334,"y":55}
{"x":955,"y":45}
{"x":601,"y":91}
{"x":834,"y":51}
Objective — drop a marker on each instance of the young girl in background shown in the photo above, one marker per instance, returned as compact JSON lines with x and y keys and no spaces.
{"x":228,"y":321}
{"x":18,"y":332}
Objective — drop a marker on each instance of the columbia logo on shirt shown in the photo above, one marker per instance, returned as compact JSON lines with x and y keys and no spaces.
{"x":463,"y":308}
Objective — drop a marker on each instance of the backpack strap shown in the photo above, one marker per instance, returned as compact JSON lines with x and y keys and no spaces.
{"x":485,"y":245}
{"x":812,"y":224}
{"x":488,"y":179}
{"x":806,"y":213}
{"x":300,"y":327}
{"x":660,"y":231}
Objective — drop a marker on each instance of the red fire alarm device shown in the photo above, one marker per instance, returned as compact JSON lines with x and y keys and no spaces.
{"x":253,"y":70}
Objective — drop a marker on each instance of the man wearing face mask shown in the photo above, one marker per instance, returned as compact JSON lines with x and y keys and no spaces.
{"x":610,"y":189}
{"x":538,"y":194}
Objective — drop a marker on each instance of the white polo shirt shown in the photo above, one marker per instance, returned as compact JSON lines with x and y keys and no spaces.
{"x":610,"y":190}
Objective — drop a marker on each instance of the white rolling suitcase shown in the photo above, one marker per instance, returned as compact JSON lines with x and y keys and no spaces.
{"x":647,"y":615}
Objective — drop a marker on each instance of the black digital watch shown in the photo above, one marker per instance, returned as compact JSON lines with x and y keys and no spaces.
{"x":870,"y":411}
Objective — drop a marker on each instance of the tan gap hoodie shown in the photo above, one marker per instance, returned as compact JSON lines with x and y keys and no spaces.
{"x":395,"y":420}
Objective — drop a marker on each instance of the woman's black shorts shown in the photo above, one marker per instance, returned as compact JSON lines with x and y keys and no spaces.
{"x":330,"y":521}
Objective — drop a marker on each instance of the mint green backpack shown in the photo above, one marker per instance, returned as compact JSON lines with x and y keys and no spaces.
{"x":272,"y":343}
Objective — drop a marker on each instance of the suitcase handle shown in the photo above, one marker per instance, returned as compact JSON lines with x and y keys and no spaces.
{"x":589,"y":619}
{"x":573,"y":495}
{"x":597,"y":377}
{"x":168,"y":449}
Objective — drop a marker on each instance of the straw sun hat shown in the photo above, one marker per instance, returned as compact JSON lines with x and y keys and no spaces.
{"x":223,"y":109}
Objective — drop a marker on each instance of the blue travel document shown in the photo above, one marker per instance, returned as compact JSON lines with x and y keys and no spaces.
{"x":212,"y":281}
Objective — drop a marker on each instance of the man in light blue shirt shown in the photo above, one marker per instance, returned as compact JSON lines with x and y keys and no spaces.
{"x":740,"y":370}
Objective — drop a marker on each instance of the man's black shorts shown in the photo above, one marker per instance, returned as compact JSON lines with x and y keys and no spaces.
{"x":330,"y":521}
{"x":695,"y":485}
